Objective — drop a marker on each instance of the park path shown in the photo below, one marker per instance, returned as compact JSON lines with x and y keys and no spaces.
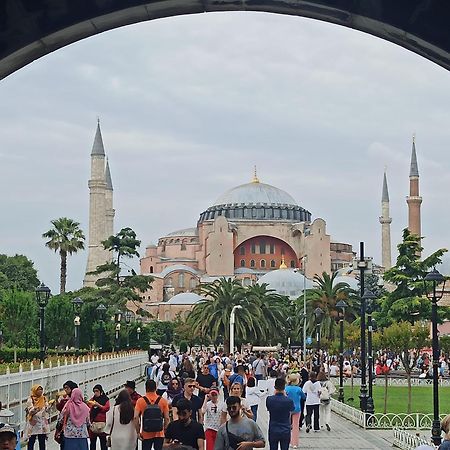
{"x":343,"y":435}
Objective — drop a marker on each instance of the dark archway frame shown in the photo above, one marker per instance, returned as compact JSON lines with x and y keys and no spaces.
{"x":30,"y":29}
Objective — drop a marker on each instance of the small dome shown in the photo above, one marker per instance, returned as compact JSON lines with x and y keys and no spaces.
{"x":184,"y":232}
{"x":352,"y":282}
{"x":185,"y":298}
{"x":287,"y":282}
{"x":254,"y":193}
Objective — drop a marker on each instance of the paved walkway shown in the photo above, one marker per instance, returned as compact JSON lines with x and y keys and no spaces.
{"x":343,"y":435}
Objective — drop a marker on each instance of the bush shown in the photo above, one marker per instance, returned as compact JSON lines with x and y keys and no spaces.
{"x":7,"y":354}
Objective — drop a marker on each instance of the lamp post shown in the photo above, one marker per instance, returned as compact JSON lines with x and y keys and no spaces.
{"x":77,"y":303}
{"x":101,"y":312}
{"x":117,"y":320}
{"x":42,"y":296}
{"x":319,"y":315}
{"x":232,"y":322}
{"x":128,"y":316}
{"x":369,"y":297}
{"x":304,"y":261}
{"x":341,"y":305}
{"x":435,"y":295}
{"x":138,"y":334}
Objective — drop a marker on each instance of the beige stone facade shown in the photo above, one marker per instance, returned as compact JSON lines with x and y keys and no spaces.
{"x":251,"y":230}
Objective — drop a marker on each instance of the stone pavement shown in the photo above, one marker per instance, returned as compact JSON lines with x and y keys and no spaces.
{"x":343,"y":435}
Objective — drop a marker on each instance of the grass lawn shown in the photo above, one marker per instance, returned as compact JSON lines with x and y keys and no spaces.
{"x":397,"y":399}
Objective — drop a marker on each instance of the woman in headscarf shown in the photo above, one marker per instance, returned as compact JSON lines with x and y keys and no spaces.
{"x":37,"y":425}
{"x":76,"y":422}
{"x":99,"y":405}
{"x":68,"y":387}
{"x":120,"y":424}
{"x":174,"y":388}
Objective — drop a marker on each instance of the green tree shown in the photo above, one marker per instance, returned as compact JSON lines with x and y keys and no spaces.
{"x":406,"y":341}
{"x":116,"y":286}
{"x":18,"y":310}
{"x":325,"y":296}
{"x":67,"y":238}
{"x":59,"y":321}
{"x":17,"y":272}
{"x":407,"y":301}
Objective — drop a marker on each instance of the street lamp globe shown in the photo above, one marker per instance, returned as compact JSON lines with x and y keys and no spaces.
{"x":436,"y":279}
{"x":101,"y":311}
{"x":341,"y":305}
{"x":42,"y":295}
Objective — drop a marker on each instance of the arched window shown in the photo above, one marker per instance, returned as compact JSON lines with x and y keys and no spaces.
{"x":181,"y":280}
{"x":252,"y":263}
{"x":253,"y":248}
{"x":183,"y":244}
{"x":292,"y":264}
{"x":263,"y":263}
{"x":192,"y":283}
{"x":151,"y":269}
{"x":272,"y":263}
{"x":272,"y":249}
{"x":168,"y":282}
{"x":242,"y":262}
{"x":242,"y":250}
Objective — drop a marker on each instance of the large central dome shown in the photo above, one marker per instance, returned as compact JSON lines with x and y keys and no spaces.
{"x":256,"y":201}
{"x":254,"y":193}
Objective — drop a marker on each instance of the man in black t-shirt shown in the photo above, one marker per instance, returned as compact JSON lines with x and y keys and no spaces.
{"x":188,"y":394}
{"x":184,"y":430}
{"x":205,"y":382}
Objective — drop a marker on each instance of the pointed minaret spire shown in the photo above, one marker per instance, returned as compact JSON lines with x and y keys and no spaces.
{"x":414,"y":168}
{"x":385,"y":221}
{"x":97,"y":148}
{"x":414,"y":199}
{"x":255,"y":176}
{"x":108,"y":179}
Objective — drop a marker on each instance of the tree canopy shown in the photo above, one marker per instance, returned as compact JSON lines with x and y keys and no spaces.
{"x":17,"y":272}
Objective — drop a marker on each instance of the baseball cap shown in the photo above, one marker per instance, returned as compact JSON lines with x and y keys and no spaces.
{"x":214,"y":391}
{"x":6,"y":428}
{"x":130,"y":384}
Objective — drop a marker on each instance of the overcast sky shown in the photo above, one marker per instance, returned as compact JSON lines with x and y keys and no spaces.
{"x":188,"y":106}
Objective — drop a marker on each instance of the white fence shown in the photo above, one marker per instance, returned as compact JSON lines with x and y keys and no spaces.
{"x":379,"y":381}
{"x":109,"y":371}
{"x":408,"y":441}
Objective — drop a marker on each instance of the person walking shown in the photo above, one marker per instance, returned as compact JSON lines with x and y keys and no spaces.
{"x":184,"y":430}
{"x":295,"y":393}
{"x":99,"y":405}
{"x":150,"y":422}
{"x":327,"y":389}
{"x":280,"y":407}
{"x":254,"y":394}
{"x":76,"y":422}
{"x":37,"y":425}
{"x":259,"y":367}
{"x":312,"y":390}
{"x":188,"y":394}
{"x":206,"y":381}
{"x":68,"y":387}
{"x":130,"y":386}
{"x":211,"y":412}
{"x":236,"y":391}
{"x":239,"y":431}
{"x":163,"y":379}
{"x":120,"y":423}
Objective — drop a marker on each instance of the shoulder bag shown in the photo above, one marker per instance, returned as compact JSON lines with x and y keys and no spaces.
{"x":108,"y":439}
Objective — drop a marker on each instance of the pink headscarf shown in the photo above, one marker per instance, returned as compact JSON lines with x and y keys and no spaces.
{"x":76,"y":409}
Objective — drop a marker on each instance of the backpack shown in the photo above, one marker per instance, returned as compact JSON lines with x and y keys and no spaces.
{"x":152,"y":417}
{"x":324,"y":394}
{"x":166,"y":378}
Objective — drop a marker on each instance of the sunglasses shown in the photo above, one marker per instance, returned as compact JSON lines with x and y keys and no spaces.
{"x":190,"y":385}
{"x":231,"y":407}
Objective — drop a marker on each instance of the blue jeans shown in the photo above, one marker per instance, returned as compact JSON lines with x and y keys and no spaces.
{"x":254,"y":409}
{"x":75,"y":444}
{"x":258,"y":377}
{"x":282,"y":439}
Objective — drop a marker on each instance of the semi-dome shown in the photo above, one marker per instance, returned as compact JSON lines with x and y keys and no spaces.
{"x":185,"y":298}
{"x":352,"y":282}
{"x":287,"y":282}
{"x":256,"y":201}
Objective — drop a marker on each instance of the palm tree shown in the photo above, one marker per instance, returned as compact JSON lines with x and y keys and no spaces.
{"x":274,"y":310}
{"x":67,"y":238}
{"x":325,"y":296}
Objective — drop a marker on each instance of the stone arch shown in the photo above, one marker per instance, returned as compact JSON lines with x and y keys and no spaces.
{"x":31,"y":30}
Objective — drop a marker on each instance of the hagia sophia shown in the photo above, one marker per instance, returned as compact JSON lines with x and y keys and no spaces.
{"x":254,"y":232}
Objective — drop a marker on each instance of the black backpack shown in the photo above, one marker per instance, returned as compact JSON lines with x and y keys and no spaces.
{"x":152,"y":417}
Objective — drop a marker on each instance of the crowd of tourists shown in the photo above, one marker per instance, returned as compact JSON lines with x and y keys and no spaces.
{"x":205,"y":401}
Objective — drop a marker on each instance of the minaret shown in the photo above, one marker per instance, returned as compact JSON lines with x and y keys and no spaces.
{"x":109,"y":202}
{"x":414,"y":200}
{"x":97,"y":210}
{"x":385,"y":221}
